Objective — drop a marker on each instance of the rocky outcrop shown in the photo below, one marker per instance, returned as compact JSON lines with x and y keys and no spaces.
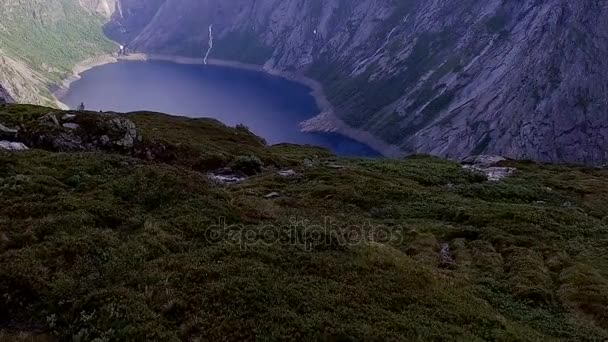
{"x":80,"y":132}
{"x":102,"y":7}
{"x":4,"y":96}
{"x":489,"y":166}
{"x":12,"y":146}
{"x":523,"y":78}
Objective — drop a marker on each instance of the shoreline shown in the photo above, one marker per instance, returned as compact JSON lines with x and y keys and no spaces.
{"x":79,"y":68}
{"x":324,"y":122}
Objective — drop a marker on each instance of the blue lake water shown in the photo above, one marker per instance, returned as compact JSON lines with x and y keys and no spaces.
{"x":271,"y":106}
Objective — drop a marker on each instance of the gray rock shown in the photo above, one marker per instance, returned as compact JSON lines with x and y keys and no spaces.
{"x":226,"y":176}
{"x":70,"y":125}
{"x":288,"y":173}
{"x":120,"y":124}
{"x":308,"y":163}
{"x":68,"y":117}
{"x":104,"y":140}
{"x":12,"y":146}
{"x":49,"y":119}
{"x":493,"y":174}
{"x":7,"y":130}
{"x":272,"y":195}
{"x":483,"y":160}
{"x":335,"y":166}
{"x":226,"y":179}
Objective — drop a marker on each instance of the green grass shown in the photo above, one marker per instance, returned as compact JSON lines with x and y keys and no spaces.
{"x":111,"y":247}
{"x":50,"y":36}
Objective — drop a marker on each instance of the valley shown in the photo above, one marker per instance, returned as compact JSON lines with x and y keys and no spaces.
{"x":210,"y":170}
{"x":450,"y":79}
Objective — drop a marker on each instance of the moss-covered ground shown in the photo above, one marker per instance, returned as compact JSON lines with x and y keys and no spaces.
{"x":108,"y":247}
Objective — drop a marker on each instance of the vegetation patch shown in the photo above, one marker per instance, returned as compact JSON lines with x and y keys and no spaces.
{"x":111,"y":246}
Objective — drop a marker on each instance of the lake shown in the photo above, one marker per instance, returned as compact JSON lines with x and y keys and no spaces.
{"x":271,"y":106}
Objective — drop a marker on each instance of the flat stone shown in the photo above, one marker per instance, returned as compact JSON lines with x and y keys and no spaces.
{"x":49,"y":119}
{"x":226,"y":179}
{"x":7,"y":129}
{"x":71,"y":125}
{"x":273,"y":195}
{"x":68,"y":117}
{"x":288,"y":173}
{"x":12,"y":146}
{"x":335,"y":166}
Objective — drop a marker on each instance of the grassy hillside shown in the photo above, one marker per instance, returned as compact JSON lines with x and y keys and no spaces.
{"x":111,"y":247}
{"x":47,"y":37}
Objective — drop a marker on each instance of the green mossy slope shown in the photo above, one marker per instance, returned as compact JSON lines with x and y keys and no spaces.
{"x":110,"y":247}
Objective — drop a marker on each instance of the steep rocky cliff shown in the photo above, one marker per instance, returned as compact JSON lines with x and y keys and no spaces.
{"x":103,"y":7}
{"x":4,"y":96}
{"x":521,"y":78}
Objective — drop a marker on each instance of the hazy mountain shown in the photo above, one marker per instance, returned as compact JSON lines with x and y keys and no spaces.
{"x":521,"y":78}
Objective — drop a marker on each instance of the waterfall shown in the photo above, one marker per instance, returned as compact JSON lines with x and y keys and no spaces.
{"x":210,"y":44}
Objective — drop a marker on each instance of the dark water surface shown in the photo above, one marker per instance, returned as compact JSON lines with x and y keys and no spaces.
{"x":270,"y":106}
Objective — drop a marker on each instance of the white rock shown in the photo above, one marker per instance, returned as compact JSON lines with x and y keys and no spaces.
{"x":71,"y":125}
{"x":68,"y":117}
{"x":273,"y":195}
{"x":12,"y":146}
{"x":288,"y":173}
{"x":7,"y":129}
{"x":226,"y":179}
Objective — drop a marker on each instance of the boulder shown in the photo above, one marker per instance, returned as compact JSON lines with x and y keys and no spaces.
{"x":288,"y":173}
{"x":226,"y":176}
{"x":7,"y":132}
{"x":12,"y":146}
{"x":272,"y":195}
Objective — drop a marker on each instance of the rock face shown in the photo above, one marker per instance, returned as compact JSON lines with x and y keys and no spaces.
{"x":103,"y":7}
{"x":4,"y":96}
{"x":521,"y":78}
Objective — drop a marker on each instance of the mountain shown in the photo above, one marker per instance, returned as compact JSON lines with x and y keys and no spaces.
{"x":151,"y":227}
{"x":520,"y":78}
{"x":42,"y":40}
{"x":5,"y":97}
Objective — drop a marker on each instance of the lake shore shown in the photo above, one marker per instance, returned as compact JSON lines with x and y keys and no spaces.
{"x":325,"y":122}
